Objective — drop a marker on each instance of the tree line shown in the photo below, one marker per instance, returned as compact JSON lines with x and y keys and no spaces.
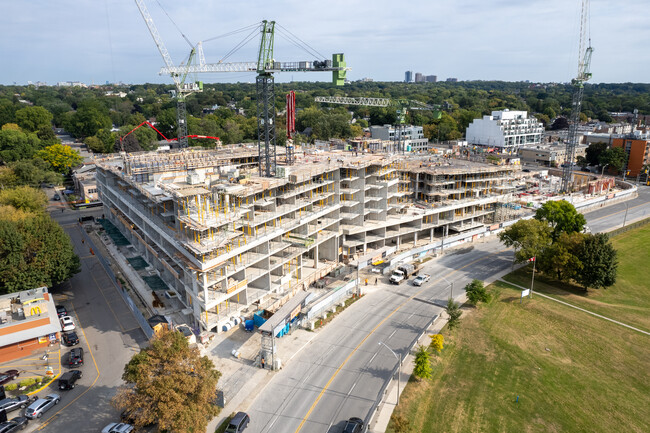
{"x":93,"y":114}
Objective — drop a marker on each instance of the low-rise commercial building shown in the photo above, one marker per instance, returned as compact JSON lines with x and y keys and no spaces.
{"x":549,"y":155}
{"x":28,"y":322}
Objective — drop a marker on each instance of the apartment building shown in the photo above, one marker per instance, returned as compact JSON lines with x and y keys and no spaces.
{"x":506,"y":130}
{"x":411,"y":136}
{"x":223,"y":238}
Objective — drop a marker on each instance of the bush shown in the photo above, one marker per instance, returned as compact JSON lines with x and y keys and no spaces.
{"x":27,"y":382}
{"x":11,"y":387}
{"x":476,"y":292}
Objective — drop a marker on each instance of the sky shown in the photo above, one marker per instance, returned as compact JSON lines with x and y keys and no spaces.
{"x":98,"y":41}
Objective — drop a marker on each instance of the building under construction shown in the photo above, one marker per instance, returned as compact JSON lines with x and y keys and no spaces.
{"x":224,"y":239}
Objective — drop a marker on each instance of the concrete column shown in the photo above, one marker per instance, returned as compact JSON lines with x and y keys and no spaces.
{"x":316,"y":257}
{"x":431,"y":235}
{"x":415,"y":239}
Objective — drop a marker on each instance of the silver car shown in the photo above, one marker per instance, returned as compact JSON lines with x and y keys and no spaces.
{"x":42,"y":405}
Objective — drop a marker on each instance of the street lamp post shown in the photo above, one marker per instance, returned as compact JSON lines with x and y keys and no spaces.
{"x":602,"y":172}
{"x":399,"y":367}
{"x":451,"y":287}
{"x":627,"y":205}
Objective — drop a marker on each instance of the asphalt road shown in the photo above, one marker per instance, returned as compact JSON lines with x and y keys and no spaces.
{"x":613,"y":216}
{"x":107,"y":330}
{"x":341,"y":372}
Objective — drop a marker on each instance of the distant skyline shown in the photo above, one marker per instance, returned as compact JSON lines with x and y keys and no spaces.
{"x":536,"y":40}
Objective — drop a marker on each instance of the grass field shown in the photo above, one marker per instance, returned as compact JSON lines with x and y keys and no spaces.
{"x":627,"y":301}
{"x":572,"y":372}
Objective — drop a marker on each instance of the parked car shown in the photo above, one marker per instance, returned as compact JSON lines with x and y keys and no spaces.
{"x":13,"y":425}
{"x":57,"y":197}
{"x":421,"y":279}
{"x":68,"y":379}
{"x":353,"y":425}
{"x":11,"y":404}
{"x":61,"y":311}
{"x":70,"y":338}
{"x":115,"y":427}
{"x":238,"y":423}
{"x":67,"y":324}
{"x":8,"y":376}
{"x":76,"y":357}
{"x":42,"y":405}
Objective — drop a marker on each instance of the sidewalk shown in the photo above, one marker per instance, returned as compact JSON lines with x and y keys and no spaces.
{"x":242,"y":379}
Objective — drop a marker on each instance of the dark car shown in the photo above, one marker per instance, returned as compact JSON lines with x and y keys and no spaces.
{"x":70,"y":338}
{"x":238,"y":423}
{"x":68,"y":379}
{"x":11,"y":404}
{"x":76,"y":357}
{"x":61,"y":311}
{"x":353,"y":425}
{"x":8,"y":376}
{"x":18,"y":423}
{"x":57,"y":197}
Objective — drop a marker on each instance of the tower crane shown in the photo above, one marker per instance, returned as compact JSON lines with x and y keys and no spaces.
{"x":266,"y":67}
{"x":182,"y":88}
{"x":584,"y":62}
{"x":402,"y":108}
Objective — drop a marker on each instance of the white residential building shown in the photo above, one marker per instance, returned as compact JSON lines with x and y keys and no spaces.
{"x":507,"y":130}
{"x":412,"y":136}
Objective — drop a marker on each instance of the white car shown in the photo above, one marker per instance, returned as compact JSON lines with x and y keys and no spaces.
{"x":118,"y":428}
{"x":421,"y":279}
{"x":67,"y":324}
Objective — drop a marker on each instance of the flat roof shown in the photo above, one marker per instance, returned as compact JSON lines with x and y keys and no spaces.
{"x":280,"y":316}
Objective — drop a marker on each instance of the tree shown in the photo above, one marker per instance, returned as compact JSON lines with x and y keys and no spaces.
{"x":34,"y":251}
{"x":61,"y":158}
{"x":614,"y":157}
{"x":171,"y":384}
{"x":32,"y":118}
{"x":437,"y":341}
{"x":562,"y":216}
{"x":476,"y":292}
{"x":561,"y":258}
{"x":24,"y":198}
{"x":582,"y":161}
{"x":34,"y":172}
{"x":422,"y":367}
{"x":599,"y":262}
{"x":454,"y":313}
{"x":594,"y":152}
{"x":560,"y":123}
{"x":16,"y":145}
{"x":530,"y":237}
{"x":89,"y":118}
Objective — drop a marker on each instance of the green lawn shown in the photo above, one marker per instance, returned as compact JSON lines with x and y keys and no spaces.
{"x":572,"y":372}
{"x":628,"y":300}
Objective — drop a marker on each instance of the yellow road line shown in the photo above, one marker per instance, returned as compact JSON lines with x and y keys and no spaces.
{"x":50,"y":419}
{"x":53,"y":378}
{"x":329,"y":382}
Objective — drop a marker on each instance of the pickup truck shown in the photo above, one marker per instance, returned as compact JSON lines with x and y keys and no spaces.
{"x":421,"y":279}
